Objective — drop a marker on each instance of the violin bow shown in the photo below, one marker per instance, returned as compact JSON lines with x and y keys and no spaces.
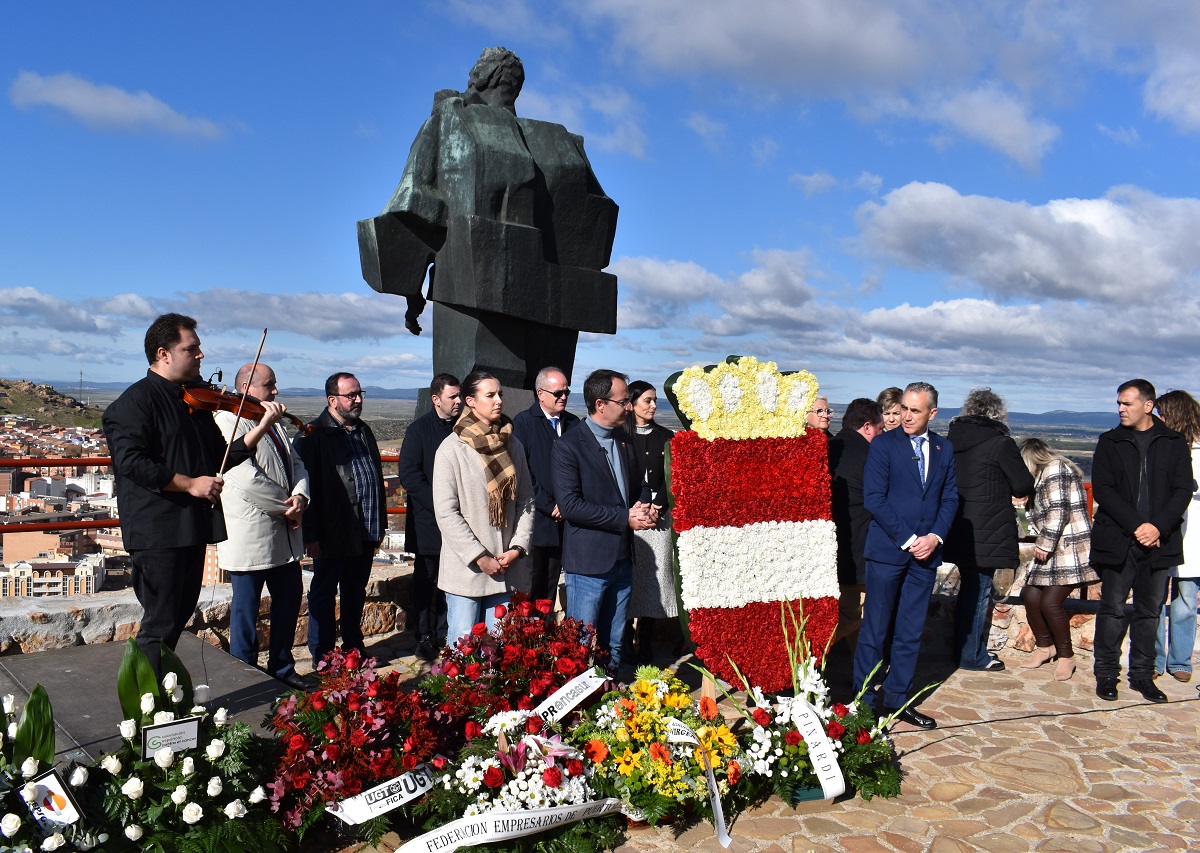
{"x":237,"y":420}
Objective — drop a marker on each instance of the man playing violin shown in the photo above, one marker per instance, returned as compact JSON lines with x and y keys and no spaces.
{"x":165,"y":457}
{"x":263,"y":502}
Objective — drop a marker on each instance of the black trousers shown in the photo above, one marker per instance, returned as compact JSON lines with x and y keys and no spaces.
{"x":167,"y":584}
{"x":428,"y":602}
{"x":1149,"y":587}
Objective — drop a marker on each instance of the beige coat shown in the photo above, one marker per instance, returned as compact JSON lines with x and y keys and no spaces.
{"x":253,"y":503}
{"x":460,"y":505}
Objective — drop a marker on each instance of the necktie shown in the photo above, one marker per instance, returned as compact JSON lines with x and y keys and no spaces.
{"x":554,"y":423}
{"x":918,"y":443}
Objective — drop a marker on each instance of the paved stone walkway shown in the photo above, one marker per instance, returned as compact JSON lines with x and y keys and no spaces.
{"x":1019,"y":762}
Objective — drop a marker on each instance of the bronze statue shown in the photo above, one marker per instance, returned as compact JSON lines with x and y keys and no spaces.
{"x":515,"y":225}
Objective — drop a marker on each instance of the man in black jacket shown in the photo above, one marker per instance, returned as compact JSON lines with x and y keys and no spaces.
{"x":537,"y":428}
{"x":862,"y":421}
{"x":422,"y":538}
{"x":1142,"y":484}
{"x":347,"y":518}
{"x":165,"y":457}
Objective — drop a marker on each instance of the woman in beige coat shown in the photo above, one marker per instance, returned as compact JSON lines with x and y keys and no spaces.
{"x":483,"y":503}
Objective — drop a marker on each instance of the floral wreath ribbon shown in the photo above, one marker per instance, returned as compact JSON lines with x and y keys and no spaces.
{"x":820,"y":749}
{"x":680,"y":732}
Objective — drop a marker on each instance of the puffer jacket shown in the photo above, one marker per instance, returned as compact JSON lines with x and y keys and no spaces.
{"x":990,"y":473}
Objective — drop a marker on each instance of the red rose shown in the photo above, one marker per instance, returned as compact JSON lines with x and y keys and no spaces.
{"x":863,"y":736}
{"x":493,"y":777}
{"x":318,"y":701}
{"x":834,"y":729}
{"x":332,"y":752}
{"x":529,"y":658}
{"x":762,"y":717}
{"x":452,"y":670}
{"x":500,"y":611}
{"x":544,"y":606}
{"x":567,"y":666}
{"x":511,"y":653}
{"x":574,"y":767}
{"x":473,"y":671}
{"x":473,"y":729}
{"x":438,"y":761}
{"x":552,"y":776}
{"x":525,"y":608}
{"x":409,"y":762}
{"x":793,"y":738}
{"x":479,"y":629}
{"x":297,"y":742}
{"x":353,"y":701}
{"x":524,"y":704}
{"x":358,"y":738}
{"x":353,"y":659}
{"x":840,"y":710}
{"x":373,"y":689}
{"x":330,"y":730}
{"x":533,"y":725}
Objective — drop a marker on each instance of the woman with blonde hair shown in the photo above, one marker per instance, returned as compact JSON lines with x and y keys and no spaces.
{"x":1058,"y":517}
{"x":1177,"y":625}
{"x":889,"y":400}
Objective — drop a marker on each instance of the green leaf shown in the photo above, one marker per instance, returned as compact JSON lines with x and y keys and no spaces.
{"x":35,"y":731}
{"x":172,"y":663}
{"x":135,"y":678}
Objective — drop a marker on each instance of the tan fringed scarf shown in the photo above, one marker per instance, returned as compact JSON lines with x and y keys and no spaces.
{"x":491,"y":442}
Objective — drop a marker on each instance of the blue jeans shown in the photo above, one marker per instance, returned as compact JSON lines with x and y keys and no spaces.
{"x":284,"y":585}
{"x":463,"y":613}
{"x":972,"y":617}
{"x":603,"y":601}
{"x":349,"y":575}
{"x":1181,"y":612}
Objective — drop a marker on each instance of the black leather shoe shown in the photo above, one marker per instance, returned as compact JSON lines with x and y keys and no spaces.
{"x":913,"y":717}
{"x":1106,"y":689}
{"x":1146,"y":687}
{"x":426,"y":652}
{"x":297,"y":682}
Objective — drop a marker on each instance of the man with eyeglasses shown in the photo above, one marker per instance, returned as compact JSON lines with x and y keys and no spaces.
{"x":537,"y":428}
{"x":347,"y":518}
{"x":603,"y":497}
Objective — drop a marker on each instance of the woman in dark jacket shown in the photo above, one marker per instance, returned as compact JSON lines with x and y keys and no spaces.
{"x":983,"y":538}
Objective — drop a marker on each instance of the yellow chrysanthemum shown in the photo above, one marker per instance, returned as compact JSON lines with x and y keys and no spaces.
{"x":666,"y":779}
{"x":745,"y":399}
{"x":628,"y":762}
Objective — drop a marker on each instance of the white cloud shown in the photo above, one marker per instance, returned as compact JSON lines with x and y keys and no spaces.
{"x":1121,"y":135}
{"x":869,"y":182}
{"x":607,"y":117}
{"x":1125,"y":248}
{"x":104,"y":107}
{"x":763,"y":151}
{"x":1172,"y":90}
{"x":997,"y":119}
{"x":512,"y":18}
{"x":707,"y":128}
{"x":814,"y":184}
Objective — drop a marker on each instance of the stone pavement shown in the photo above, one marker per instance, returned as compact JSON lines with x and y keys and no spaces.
{"x":1019,"y":762}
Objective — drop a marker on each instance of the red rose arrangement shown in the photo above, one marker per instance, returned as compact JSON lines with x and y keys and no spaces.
{"x":355,"y":731}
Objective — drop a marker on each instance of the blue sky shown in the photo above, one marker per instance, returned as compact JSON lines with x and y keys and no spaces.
{"x":879,"y":192}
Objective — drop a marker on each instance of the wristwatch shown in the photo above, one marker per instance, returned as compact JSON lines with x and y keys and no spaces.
{"x":521,"y":552}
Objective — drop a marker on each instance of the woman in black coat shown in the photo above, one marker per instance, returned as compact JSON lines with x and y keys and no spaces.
{"x":983,"y":538}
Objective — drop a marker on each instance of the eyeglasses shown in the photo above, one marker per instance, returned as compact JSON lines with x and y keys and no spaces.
{"x":557,"y":395}
{"x":822,"y":411}
{"x":622,"y":403}
{"x":360,"y":395}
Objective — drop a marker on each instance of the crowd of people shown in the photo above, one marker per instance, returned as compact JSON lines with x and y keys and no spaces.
{"x":498,"y":505}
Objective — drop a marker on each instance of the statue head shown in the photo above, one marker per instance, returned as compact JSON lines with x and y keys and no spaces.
{"x":497,"y":78}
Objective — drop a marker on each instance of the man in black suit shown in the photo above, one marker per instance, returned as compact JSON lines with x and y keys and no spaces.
{"x":422,"y":538}
{"x":603,"y":498}
{"x":862,"y":421}
{"x":537,"y":428}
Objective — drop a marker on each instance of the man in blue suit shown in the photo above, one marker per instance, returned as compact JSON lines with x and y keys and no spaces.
{"x":537,"y":428}
{"x":603,"y":497}
{"x":910,"y":491}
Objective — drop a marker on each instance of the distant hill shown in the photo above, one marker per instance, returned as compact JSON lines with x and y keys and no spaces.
{"x":44,"y":403}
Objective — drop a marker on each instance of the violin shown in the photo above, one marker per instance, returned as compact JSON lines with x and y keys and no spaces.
{"x":209,"y":398}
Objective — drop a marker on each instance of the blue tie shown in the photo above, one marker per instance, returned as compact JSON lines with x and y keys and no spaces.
{"x":554,"y":424}
{"x":918,"y":442}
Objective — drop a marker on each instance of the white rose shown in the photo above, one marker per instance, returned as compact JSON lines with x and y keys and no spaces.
{"x":30,"y":792}
{"x":215,"y":749}
{"x":111,"y":763}
{"x":147,"y":703}
{"x":79,"y":776}
{"x":235,"y":809}
{"x":133,"y":832}
{"x":29,"y":767}
{"x":164,"y":717}
{"x":192,"y":813}
{"x":12,"y":730}
{"x":257,"y":795}
{"x":54,"y":842}
{"x":9,"y":825}
{"x":179,"y":795}
{"x":128,"y":729}
{"x":200,"y":693}
{"x":188,"y":766}
{"x":133,"y":788}
{"x":164,"y":757}
{"x":10,"y":703}
{"x":170,"y":682}
{"x":215,"y":787}
{"x":177,"y":695}
{"x":221,"y":717}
